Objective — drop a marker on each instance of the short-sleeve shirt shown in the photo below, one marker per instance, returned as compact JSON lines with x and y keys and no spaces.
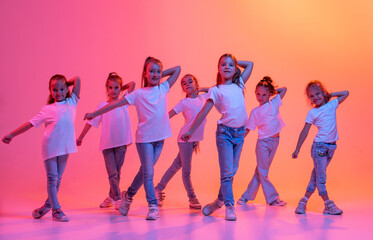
{"x":59,"y":135}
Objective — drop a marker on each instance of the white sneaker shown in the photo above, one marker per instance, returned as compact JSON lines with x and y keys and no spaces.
{"x":108,"y":202}
{"x":125,"y":204}
{"x":230,"y":213}
{"x":153,"y":213}
{"x":212,"y":207}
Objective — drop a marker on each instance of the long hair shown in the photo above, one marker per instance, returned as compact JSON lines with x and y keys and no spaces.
{"x":267,"y":82}
{"x":144,"y":81}
{"x":237,"y":74}
{"x":113,"y":76}
{"x":57,"y":77}
{"x":317,"y":83}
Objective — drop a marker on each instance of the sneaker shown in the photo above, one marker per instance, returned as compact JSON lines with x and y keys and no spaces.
{"x":242,"y":201}
{"x":160,"y":195}
{"x":153,"y":213}
{"x":277,"y":202}
{"x":39,"y":212}
{"x":59,"y":216}
{"x":301,"y":209}
{"x":108,"y":202}
{"x":212,"y":207}
{"x":230,"y":213}
{"x":194,"y":203}
{"x":117,"y":204}
{"x":125,"y":204}
{"x":331,"y":208}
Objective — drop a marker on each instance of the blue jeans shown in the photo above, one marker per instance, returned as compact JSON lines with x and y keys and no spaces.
{"x":265,"y":151}
{"x":322,"y":153}
{"x":184,"y":161}
{"x":149,"y":154}
{"x":229,"y":142}
{"x":54,"y":168}
{"x":114,"y":158}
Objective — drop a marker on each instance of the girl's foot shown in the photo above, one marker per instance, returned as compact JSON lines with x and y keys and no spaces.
{"x":59,"y":216}
{"x":108,"y":202}
{"x":331,"y":208}
{"x":301,"y":209}
{"x":153,"y":213}
{"x":242,"y":201}
{"x":40,"y":212}
{"x":194,"y":203}
{"x":277,"y":202}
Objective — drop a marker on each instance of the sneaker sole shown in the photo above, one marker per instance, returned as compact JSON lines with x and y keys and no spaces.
{"x":195,"y":207}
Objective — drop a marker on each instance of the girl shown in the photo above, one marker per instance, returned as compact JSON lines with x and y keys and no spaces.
{"x":323,"y":116}
{"x":58,"y":141}
{"x":113,"y":143}
{"x":228,"y":98}
{"x":153,"y":127}
{"x":190,"y":107}
{"x":267,"y":119}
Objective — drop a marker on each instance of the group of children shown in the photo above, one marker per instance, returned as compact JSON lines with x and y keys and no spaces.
{"x":228,"y":97}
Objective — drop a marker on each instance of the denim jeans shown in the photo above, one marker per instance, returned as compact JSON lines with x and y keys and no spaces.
{"x":229,"y":142}
{"x":54,"y":168}
{"x":149,"y":154}
{"x":265,"y":151}
{"x":184,"y":161}
{"x":114,"y":158}
{"x":322,"y":153}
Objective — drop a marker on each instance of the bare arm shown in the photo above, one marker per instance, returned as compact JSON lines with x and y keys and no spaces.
{"x":173,"y":73}
{"x":84,"y":132}
{"x":171,"y":113}
{"x":203,"y":89}
{"x":75,"y":82}
{"x":21,"y":129}
{"x":281,"y":92}
{"x":248,"y":68}
{"x":130,"y":86}
{"x":341,"y":96}
{"x":107,"y":108}
{"x":247,"y":131}
{"x":199,"y":119}
{"x":302,"y":138}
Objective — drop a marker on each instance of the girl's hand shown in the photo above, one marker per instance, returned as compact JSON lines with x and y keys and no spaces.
{"x":8,"y":138}
{"x":295,"y":154}
{"x":79,"y":141}
{"x":186,"y":136}
{"x":246,"y":132}
{"x":88,"y":116}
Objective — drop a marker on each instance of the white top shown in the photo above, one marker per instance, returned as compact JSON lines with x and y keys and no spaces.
{"x":229,"y":100}
{"x":151,"y":104}
{"x":190,"y":108}
{"x":59,"y":135}
{"x":116,"y":127}
{"x":266,"y":118}
{"x":324,"y":118}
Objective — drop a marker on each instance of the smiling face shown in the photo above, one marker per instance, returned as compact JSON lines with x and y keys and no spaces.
{"x":58,"y":90}
{"x":189,"y":85}
{"x":316,"y":96}
{"x":153,"y":74}
{"x":113,"y":90}
{"x":227,"y":68}
{"x":262,"y":95}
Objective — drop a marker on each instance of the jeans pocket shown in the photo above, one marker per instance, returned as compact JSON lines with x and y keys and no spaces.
{"x":321,"y":151}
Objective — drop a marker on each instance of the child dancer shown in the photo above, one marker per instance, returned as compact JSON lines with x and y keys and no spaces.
{"x":116,"y":135}
{"x":190,"y":107}
{"x":153,"y":127}
{"x":267,"y":119}
{"x":58,"y":140}
{"x":323,"y":116}
{"x":228,"y":98}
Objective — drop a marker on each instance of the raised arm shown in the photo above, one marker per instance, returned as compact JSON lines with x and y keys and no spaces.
{"x":173,"y":73}
{"x":75,"y":82}
{"x":199,"y":119}
{"x":341,"y":96}
{"x":82,"y":135}
{"x":302,"y":137}
{"x":248,"y":68}
{"x":130,"y":86}
{"x":21,"y":129}
{"x":281,"y":91}
{"x":107,"y":108}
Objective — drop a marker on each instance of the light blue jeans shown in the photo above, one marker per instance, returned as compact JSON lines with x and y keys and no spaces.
{"x":229,"y":142}
{"x":54,"y":168}
{"x":322,"y":153}
{"x":149,"y":154}
{"x":184,"y":161}
{"x":114,"y":158}
{"x":265,"y":151}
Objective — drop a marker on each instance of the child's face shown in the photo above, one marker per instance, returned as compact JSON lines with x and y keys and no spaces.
{"x":262,"y":95}
{"x":58,"y":90}
{"x":113,"y":90}
{"x":189,"y":85}
{"x":153,"y":74}
{"x":227,"y":68}
{"x":316,"y":95}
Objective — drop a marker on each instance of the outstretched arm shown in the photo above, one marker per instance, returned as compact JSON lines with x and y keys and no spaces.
{"x":171,"y":113}
{"x":248,"y":68}
{"x":21,"y":129}
{"x":281,"y":91}
{"x":302,"y":137}
{"x":84,"y":132}
{"x":341,"y":96}
{"x":199,"y":119}
{"x":75,"y":82}
{"x":130,"y":86}
{"x":107,"y":108}
{"x":173,"y":73}
{"x":203,"y":89}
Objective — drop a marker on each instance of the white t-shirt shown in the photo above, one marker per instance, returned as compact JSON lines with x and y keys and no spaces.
{"x":266,"y":118}
{"x":190,"y":108}
{"x":116,"y":127}
{"x":229,"y":100}
{"x":59,"y":135}
{"x":151,"y":104}
{"x":324,"y":118}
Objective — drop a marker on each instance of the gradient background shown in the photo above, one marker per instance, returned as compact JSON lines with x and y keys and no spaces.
{"x":292,"y":41}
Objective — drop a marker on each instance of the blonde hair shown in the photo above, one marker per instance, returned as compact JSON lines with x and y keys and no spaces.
{"x":267,"y":82}
{"x":317,"y":83}
{"x":57,"y":77}
{"x":144,"y":81}
{"x":237,"y":74}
